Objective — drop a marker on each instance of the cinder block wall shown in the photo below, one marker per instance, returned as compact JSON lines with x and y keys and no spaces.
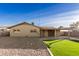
{"x":75,"y":34}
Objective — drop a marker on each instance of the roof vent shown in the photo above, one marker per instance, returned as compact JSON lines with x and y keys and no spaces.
{"x":32,"y":23}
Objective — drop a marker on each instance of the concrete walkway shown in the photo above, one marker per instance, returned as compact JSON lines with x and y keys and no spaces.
{"x":10,"y":46}
{"x":60,"y":37}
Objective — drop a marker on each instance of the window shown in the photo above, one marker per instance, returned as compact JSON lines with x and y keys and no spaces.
{"x":33,"y":30}
{"x":16,"y":30}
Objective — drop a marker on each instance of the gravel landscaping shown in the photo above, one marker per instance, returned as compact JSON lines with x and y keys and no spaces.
{"x":19,"y":46}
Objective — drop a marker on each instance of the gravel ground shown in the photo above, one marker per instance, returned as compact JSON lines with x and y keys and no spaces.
{"x":19,"y":46}
{"x":23,"y":52}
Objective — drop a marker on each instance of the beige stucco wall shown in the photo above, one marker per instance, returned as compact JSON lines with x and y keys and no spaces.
{"x":25,"y":31}
{"x":58,"y":33}
{"x":46,"y":33}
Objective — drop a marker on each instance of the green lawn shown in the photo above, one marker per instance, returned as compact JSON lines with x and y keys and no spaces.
{"x":63,"y":47}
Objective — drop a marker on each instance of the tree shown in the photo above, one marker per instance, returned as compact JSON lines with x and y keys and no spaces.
{"x":74,"y":25}
{"x":60,"y":27}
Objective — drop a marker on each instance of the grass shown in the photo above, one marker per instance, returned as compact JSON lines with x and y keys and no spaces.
{"x":63,"y":47}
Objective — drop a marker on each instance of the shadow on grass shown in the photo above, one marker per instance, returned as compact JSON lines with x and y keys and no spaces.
{"x":53,"y":41}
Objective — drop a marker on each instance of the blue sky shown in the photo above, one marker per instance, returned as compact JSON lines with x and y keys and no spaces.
{"x":53,"y":14}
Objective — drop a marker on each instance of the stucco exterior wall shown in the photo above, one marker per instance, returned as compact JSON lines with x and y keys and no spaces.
{"x":25,"y":31}
{"x":58,"y":33}
{"x":46,"y":33}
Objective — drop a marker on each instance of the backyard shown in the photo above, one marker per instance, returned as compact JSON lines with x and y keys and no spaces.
{"x":63,"y":47}
{"x":22,"y":46}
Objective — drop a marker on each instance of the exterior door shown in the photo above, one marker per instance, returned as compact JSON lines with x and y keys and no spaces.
{"x":50,"y":33}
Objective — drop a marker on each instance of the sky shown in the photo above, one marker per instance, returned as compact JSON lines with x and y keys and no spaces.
{"x":42,"y":14}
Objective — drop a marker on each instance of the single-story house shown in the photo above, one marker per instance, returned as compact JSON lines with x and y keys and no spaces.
{"x":25,"y":29}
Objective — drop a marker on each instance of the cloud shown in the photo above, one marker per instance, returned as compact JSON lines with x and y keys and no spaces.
{"x":55,"y":20}
{"x":62,"y":19}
